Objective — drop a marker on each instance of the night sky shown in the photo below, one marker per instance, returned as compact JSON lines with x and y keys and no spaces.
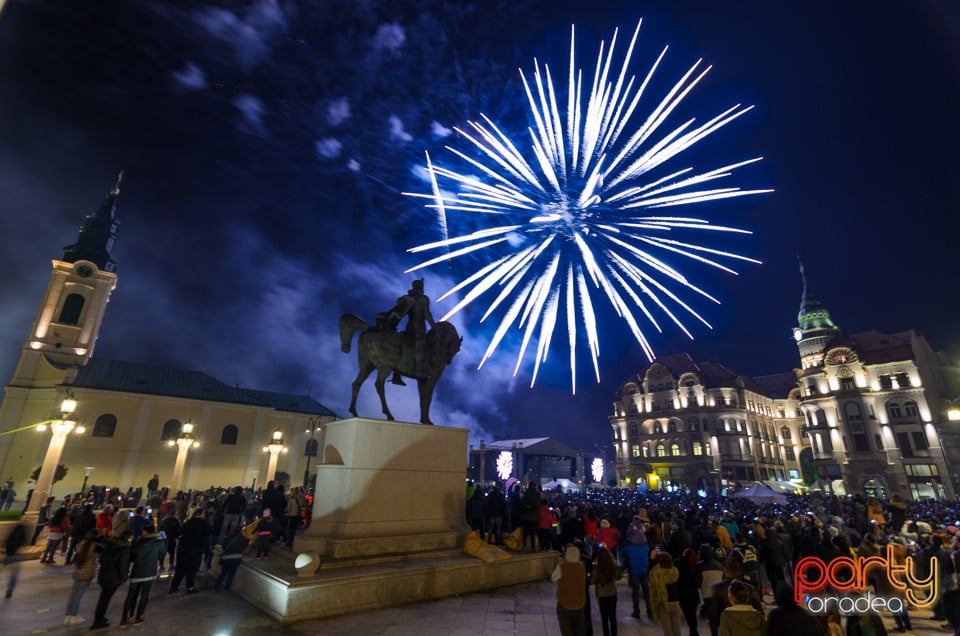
{"x":266,"y":145}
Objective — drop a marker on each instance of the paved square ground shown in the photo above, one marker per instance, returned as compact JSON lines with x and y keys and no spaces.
{"x":38,"y":604}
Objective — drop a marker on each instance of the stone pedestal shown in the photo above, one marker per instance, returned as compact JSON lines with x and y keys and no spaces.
{"x":388,"y":520}
{"x":387,"y":488}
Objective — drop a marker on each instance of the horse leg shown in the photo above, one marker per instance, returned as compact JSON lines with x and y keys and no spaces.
{"x":425,"y":387}
{"x":364,"y":373}
{"x":381,"y":378}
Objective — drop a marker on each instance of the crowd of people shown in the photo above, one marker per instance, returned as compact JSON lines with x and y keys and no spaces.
{"x":720,"y":563}
{"x":123,"y":538}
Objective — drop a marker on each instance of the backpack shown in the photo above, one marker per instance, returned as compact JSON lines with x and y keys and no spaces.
{"x":747,"y":557}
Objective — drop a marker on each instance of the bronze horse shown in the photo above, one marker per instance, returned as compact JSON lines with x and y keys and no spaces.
{"x":386,"y":351}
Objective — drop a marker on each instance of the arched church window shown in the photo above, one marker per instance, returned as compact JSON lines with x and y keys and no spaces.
{"x":171,"y":430}
{"x":228,"y":435}
{"x":105,"y":426}
{"x":70,"y":313}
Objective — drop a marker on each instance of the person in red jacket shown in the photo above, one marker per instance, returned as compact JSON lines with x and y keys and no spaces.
{"x":589,"y":531}
{"x":544,"y":523}
{"x":608,"y":536}
{"x":105,"y":521}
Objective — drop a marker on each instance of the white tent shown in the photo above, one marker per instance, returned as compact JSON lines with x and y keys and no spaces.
{"x":566,"y":484}
{"x":758,"y":493}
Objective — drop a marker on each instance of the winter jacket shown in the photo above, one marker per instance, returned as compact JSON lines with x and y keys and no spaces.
{"x":544,"y":517}
{"x":55,"y":532}
{"x":194,"y":534}
{"x":86,"y":561}
{"x":114,"y":563}
{"x":742,"y":620}
{"x":146,"y":555}
{"x":636,"y":558}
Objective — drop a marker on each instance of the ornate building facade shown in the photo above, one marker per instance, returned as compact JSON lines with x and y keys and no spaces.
{"x":864,"y":413}
{"x":135,"y":419}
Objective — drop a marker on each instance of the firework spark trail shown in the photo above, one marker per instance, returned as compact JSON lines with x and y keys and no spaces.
{"x":566,"y":228}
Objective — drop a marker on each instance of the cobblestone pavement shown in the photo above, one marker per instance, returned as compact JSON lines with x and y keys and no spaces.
{"x":38,"y":604}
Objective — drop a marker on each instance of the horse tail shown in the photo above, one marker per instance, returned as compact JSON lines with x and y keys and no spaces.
{"x":349,"y":325}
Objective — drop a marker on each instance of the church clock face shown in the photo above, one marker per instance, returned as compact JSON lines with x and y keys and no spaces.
{"x":797,"y":335}
{"x":84,"y":271}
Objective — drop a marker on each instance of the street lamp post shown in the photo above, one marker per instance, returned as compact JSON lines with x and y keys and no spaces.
{"x":184,"y":442}
{"x":87,"y":470}
{"x":61,"y":427}
{"x":311,"y":447}
{"x":274,"y":447}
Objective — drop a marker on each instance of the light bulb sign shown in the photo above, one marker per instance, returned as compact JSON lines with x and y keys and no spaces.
{"x":841,"y":584}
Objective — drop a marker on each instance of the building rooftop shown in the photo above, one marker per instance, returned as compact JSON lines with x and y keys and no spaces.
{"x":133,"y":377}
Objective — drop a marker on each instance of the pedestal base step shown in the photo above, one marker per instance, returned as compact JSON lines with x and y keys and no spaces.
{"x":378,"y":582}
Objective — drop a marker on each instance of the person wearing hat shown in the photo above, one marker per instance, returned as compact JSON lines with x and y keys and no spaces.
{"x":571,"y":579}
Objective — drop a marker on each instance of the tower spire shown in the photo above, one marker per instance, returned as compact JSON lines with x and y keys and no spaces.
{"x":98,"y":231}
{"x":815,"y":328}
{"x":116,"y":191}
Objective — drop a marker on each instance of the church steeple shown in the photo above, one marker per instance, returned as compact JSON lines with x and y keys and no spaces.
{"x":97,"y":234}
{"x":815,"y":328}
{"x":67,"y":326}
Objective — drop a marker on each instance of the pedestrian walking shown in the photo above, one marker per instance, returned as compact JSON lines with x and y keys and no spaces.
{"x":85,"y":564}
{"x":146,"y":555}
{"x":233,"y":549}
{"x":114,"y":570}
{"x":11,"y":562}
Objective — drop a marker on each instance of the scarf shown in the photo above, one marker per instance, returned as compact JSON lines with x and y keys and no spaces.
{"x":659,"y":579}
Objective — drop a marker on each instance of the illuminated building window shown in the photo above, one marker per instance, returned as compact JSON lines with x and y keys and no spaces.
{"x":636,"y":450}
{"x":646,"y":451}
{"x":853,"y":413}
{"x":706,"y":448}
{"x":910,"y":407}
{"x":675,"y":450}
{"x":697,"y":449}
{"x":821,"y":418}
{"x":893,"y":410}
{"x":661,"y":450}
{"x":920,"y":440}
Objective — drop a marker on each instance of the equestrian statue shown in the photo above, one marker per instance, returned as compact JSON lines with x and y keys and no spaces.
{"x":413,"y":353}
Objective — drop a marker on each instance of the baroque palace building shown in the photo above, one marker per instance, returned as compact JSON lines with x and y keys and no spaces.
{"x":865,"y":413}
{"x":129,"y":421}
